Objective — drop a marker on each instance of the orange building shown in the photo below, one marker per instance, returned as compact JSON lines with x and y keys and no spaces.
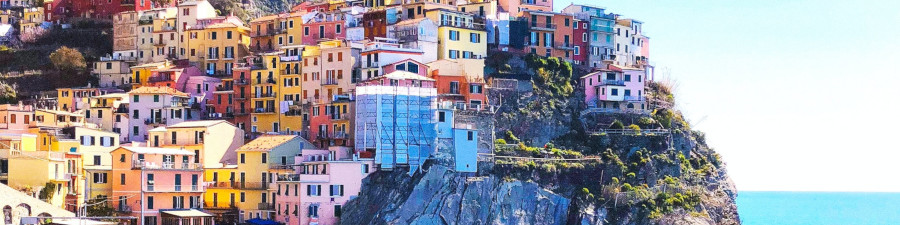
{"x":551,"y":33}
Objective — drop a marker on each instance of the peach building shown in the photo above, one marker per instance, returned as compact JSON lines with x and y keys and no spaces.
{"x":157,"y":184}
{"x":15,"y":118}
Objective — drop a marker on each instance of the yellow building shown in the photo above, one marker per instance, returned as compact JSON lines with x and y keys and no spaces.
{"x":95,"y":146}
{"x":109,"y":112}
{"x":155,"y":34}
{"x":217,"y":46}
{"x":459,"y":34}
{"x":140,"y":74}
{"x":269,"y":111}
{"x":221,"y":196}
{"x":38,"y":161}
{"x":259,"y":164}
{"x":31,"y":18}
{"x":58,"y":119}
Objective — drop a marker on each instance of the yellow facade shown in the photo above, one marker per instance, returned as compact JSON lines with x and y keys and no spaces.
{"x":220,"y":194}
{"x":252,"y":183}
{"x":31,"y":18}
{"x":269,"y":89}
{"x":460,"y":37}
{"x":140,"y":74}
{"x":217,"y":47}
{"x":35,"y":165}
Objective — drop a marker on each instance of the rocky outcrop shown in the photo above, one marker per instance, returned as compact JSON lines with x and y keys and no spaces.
{"x":441,"y":196}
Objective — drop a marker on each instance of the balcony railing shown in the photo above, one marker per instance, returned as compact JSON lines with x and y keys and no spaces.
{"x":155,"y":121}
{"x":543,"y":26}
{"x":241,"y":81}
{"x":341,"y":135}
{"x":460,"y":24}
{"x":266,"y":206}
{"x":123,"y":208}
{"x":159,"y":79}
{"x":340,"y":116}
{"x":289,"y":177}
{"x":265,"y":95}
{"x":329,"y":81}
{"x":634,"y":98}
{"x":141,"y":164}
{"x":224,"y":88}
{"x":564,"y":45}
{"x":264,"y":110}
{"x":217,"y":205}
{"x":173,"y":188}
{"x":251,"y":185}
{"x":221,"y":185}
{"x":613,"y":82}
{"x":280,"y":167}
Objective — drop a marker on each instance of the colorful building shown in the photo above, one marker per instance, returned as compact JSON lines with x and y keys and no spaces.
{"x":327,"y":76}
{"x":217,"y":44}
{"x":461,"y":82}
{"x":601,"y":42}
{"x":461,"y":35}
{"x":551,"y":33}
{"x":148,"y":182}
{"x":16,"y":119}
{"x":194,"y":136}
{"x":259,"y":164}
{"x":323,"y":26}
{"x":617,"y":88}
{"x":322,"y":182}
{"x":152,"y":107}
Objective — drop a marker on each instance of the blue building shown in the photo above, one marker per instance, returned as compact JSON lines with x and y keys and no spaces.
{"x":395,"y":119}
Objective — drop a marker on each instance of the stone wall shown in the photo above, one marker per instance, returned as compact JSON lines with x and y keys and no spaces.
{"x":15,"y":205}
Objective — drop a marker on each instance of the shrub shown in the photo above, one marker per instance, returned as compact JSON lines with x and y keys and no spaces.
{"x":68,"y":59}
{"x":500,"y":141}
{"x":616,"y":124}
{"x":549,"y":168}
{"x":47,"y":192}
{"x":646,"y":121}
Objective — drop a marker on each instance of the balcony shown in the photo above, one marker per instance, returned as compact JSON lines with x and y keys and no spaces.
{"x":265,"y":95}
{"x":155,"y":121}
{"x":219,"y":73}
{"x":329,"y":81}
{"x":216,"y":205}
{"x":289,"y":177}
{"x":251,"y":186}
{"x":268,"y":32}
{"x":341,"y":135}
{"x":543,"y":26}
{"x":173,"y":188}
{"x":281,"y":167}
{"x":62,"y":177}
{"x":123,"y":208}
{"x":271,"y":81}
{"x":457,"y":24}
{"x":340,"y":116}
{"x":159,"y":79}
{"x":264,"y":110}
{"x":221,"y":185}
{"x":564,"y":46}
{"x":224,"y":88}
{"x":634,"y":98}
{"x":613,"y":82}
{"x":241,"y":81}
{"x":141,"y":164}
{"x":293,"y":112}
{"x":266,"y":206}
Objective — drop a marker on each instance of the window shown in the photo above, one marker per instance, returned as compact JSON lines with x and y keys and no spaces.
{"x":122,"y":179}
{"x":337,"y":211}
{"x":305,"y":31}
{"x":475,"y":38}
{"x":96,"y":160}
{"x":100,"y":178}
{"x":454,"y":54}
{"x":337,"y":29}
{"x":228,"y":34}
{"x":577,"y":50}
{"x":135,"y":116}
{"x":614,"y":92}
{"x":243,"y":157}
{"x":155,"y":98}
{"x":264,"y":158}
{"x":336,"y":190}
{"x":442,"y":116}
{"x":471,"y":135}
{"x":313,"y":211}
{"x":149,"y":202}
{"x":454,"y":35}
{"x":243,"y":196}
{"x":474,"y":89}
{"x":627,"y":78}
{"x":136,"y":98}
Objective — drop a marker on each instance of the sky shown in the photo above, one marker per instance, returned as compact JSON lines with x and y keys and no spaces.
{"x":796,"y":95}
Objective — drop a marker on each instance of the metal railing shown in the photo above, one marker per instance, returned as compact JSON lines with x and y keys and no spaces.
{"x":241,"y":81}
{"x":141,"y":164}
{"x":266,"y":206}
{"x":634,"y":98}
{"x":264,"y":110}
{"x":280,"y":167}
{"x":155,"y":121}
{"x":265,"y":95}
{"x":542,"y":26}
{"x":289,"y":177}
{"x":461,"y":24}
{"x":329,"y":81}
{"x":123,"y":208}
{"x":251,"y":185}
{"x":612,"y":82}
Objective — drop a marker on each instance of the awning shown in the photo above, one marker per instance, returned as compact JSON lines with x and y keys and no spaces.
{"x":258,"y":221}
{"x":187,"y":213}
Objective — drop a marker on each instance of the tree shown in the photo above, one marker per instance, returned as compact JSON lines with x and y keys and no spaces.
{"x":68,"y":59}
{"x":99,"y":206}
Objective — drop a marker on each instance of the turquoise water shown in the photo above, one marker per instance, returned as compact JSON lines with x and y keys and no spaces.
{"x":839,"y":208}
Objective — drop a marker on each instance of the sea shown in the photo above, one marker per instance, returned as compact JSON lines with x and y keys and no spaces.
{"x":818,"y":208}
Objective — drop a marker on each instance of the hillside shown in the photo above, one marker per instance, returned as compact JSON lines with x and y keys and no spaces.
{"x":585,"y":173}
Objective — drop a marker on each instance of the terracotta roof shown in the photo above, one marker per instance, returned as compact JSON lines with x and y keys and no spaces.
{"x":197,"y":123}
{"x":157,"y":90}
{"x":152,"y":150}
{"x":266,"y":142}
{"x":264,"y":18}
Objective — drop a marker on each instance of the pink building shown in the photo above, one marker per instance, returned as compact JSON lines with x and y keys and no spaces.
{"x":616,"y":88}
{"x":323,"y":182}
{"x":15,"y":118}
{"x":201,"y":89}
{"x":324,"y":26}
{"x":164,"y":182}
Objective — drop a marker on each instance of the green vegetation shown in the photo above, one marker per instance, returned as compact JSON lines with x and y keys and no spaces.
{"x":47,"y":191}
{"x":99,"y":206}
{"x":616,"y":124}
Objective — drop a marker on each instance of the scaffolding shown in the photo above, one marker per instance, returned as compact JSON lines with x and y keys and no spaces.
{"x":397,"y":123}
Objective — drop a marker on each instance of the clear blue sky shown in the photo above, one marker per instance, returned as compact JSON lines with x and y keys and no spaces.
{"x":797,"y":95}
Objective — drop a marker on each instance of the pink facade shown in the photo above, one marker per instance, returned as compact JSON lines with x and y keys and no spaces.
{"x":323,"y":182}
{"x":201,"y":89}
{"x":15,"y":118}
{"x":615,"y":88}
{"x":166,"y":178}
{"x":324,"y":26}
{"x":408,"y":65}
